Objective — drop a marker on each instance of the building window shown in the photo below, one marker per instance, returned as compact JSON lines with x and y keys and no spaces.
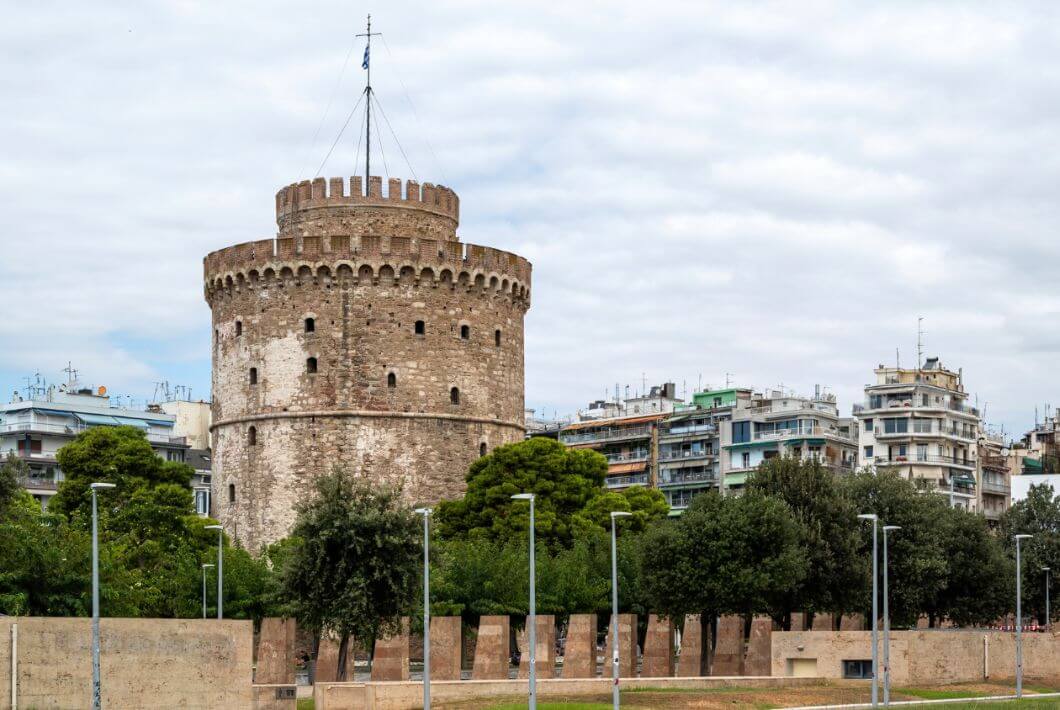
{"x":465,"y":332}
{"x":868,"y":424}
{"x":202,"y":501}
{"x":311,"y":366}
{"x":34,"y":446}
{"x":741,"y":432}
{"x":454,"y":395}
{"x":895,"y":426}
{"x":310,"y":325}
{"x":921,"y":452}
{"x":868,"y":452}
{"x":391,"y":380}
{"x":420,"y":327}
{"x":239,"y":328}
{"x":231,"y":493}
{"x":252,"y":436}
{"x":857,"y":669}
{"x":746,"y":459}
{"x":482,"y":449}
{"x":253,"y":375}
{"x":497,"y":337}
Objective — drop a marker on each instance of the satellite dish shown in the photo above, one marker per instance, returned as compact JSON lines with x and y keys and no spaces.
{"x":102,"y":390}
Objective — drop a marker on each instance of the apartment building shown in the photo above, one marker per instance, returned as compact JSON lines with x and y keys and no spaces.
{"x":994,"y":489}
{"x":919,"y":422}
{"x":781,"y":424}
{"x":628,"y":443}
{"x":37,"y":426}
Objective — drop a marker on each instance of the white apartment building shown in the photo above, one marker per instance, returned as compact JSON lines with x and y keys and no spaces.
{"x":918,"y":421}
{"x":36,"y":427}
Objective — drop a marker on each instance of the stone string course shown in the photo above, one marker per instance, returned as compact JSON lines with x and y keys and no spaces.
{"x":381,"y":403}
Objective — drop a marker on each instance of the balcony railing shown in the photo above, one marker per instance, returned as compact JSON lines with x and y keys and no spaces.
{"x":1000,"y":489}
{"x":882,"y":433}
{"x":686,"y":430}
{"x":75,"y":429}
{"x":626,"y":456}
{"x":575,"y":437}
{"x":800,"y":432}
{"x":47,"y":483}
{"x":918,"y":404}
{"x":930,"y":460}
{"x":682,"y":455}
{"x":640,"y":479}
{"x":673,"y":478}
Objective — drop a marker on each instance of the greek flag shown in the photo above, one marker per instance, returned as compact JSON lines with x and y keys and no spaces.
{"x":364,"y":64}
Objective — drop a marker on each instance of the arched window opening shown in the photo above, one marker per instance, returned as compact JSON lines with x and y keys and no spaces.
{"x":252,"y":436}
{"x":465,"y":332}
{"x":482,"y":449}
{"x":497,"y":337}
{"x":239,"y":328}
{"x":231,"y":493}
{"x":421,"y":327}
{"x":454,"y":395}
{"x":311,"y":366}
{"x":310,"y":325}
{"x":253,"y":375}
{"x":391,"y":380}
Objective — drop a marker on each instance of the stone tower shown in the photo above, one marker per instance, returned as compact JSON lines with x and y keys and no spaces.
{"x":364,"y":335}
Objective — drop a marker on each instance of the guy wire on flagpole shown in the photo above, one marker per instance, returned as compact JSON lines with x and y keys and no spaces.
{"x":367,"y":66}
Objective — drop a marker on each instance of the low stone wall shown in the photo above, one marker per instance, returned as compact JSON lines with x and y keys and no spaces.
{"x":144,"y":663}
{"x":409,"y":696}
{"x":938,"y":656}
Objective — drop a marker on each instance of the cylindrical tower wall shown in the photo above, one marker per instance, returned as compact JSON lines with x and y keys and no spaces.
{"x":397,"y":357}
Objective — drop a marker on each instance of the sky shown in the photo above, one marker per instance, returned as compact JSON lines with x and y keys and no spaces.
{"x":771,"y":193}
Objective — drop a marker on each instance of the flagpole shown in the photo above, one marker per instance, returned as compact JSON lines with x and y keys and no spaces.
{"x":367,"y":66}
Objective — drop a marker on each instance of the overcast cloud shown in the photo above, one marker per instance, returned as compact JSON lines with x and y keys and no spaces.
{"x":772,"y":190}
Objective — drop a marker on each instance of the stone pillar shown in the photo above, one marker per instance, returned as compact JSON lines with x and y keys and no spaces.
{"x":545,"y":655}
{"x":327,"y":668}
{"x":759,"y":659}
{"x":728,"y":653}
{"x":923,"y":622}
{"x":445,"y":647}
{"x":276,"y":651}
{"x":852,"y":622}
{"x":690,"y":662}
{"x":391,"y":659}
{"x":491,"y":649}
{"x":823,"y":622}
{"x":627,"y":647}
{"x":658,"y":660}
{"x":579,"y":656}
{"x":798,"y":621}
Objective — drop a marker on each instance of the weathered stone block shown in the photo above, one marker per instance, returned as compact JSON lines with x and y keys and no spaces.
{"x":276,"y":651}
{"x":823,"y":622}
{"x":798,"y":621}
{"x":445,"y":647}
{"x":545,"y":654}
{"x":852,"y":622}
{"x":627,"y":646}
{"x":579,"y":659}
{"x":327,"y":666}
{"x":728,"y":653}
{"x":759,"y":660}
{"x":690,"y":662}
{"x":391,"y":660}
{"x":658,"y":660}
{"x":491,"y":649}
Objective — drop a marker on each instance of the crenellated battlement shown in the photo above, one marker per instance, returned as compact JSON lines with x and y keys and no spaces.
{"x":332,"y":192}
{"x":368,"y":259}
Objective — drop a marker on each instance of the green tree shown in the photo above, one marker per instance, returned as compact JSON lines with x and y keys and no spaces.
{"x":828,"y":533}
{"x":1039,"y":515}
{"x":12,"y":470}
{"x":978,"y":588}
{"x":737,"y":554}
{"x":646,"y":504}
{"x":355,"y":568}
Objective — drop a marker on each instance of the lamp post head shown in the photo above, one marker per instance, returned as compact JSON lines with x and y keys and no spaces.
{"x":620,"y":514}
{"x":204,"y":566}
{"x":868,"y":516}
{"x":1046,"y":569}
{"x":214,"y":527}
{"x":888,"y":528}
{"x":1023,"y":536}
{"x":523,"y":496}
{"x":98,"y":486}
{"x":423,"y":511}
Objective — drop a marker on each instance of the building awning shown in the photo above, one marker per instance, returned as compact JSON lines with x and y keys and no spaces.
{"x":96,"y":419}
{"x":736,"y":479}
{"x":754,"y":445}
{"x":129,"y":421}
{"x":635,"y":467}
{"x":613,"y":423}
{"x":1032,"y":464}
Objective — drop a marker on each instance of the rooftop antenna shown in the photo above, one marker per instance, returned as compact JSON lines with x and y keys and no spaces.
{"x":700,"y":388}
{"x":644,"y":382}
{"x":728,"y":380}
{"x":71,"y":373}
{"x":367,"y":66}
{"x":919,"y":342}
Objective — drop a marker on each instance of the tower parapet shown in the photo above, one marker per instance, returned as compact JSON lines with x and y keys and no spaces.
{"x":417,"y":210}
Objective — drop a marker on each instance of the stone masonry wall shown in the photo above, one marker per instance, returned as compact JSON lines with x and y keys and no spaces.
{"x":398,"y":323}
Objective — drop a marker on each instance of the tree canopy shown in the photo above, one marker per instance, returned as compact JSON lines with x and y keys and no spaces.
{"x":1039,"y":515}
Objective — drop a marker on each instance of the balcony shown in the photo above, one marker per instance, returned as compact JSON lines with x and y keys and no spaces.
{"x":925,"y":461}
{"x":801,"y":432}
{"x":882,"y":433}
{"x":705,"y":429}
{"x":998,"y":489}
{"x":576,"y":437}
{"x":686,"y":455}
{"x":625,"y":457}
{"x":679,"y":477}
{"x":638,"y":479}
{"x":39,"y":483}
{"x":69,"y":429}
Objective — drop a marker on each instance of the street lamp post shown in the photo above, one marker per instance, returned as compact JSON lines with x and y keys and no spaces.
{"x":1048,"y":619}
{"x":875,"y":627}
{"x":614,"y":607}
{"x":426,"y":513}
{"x":886,"y":622}
{"x":96,"y":696}
{"x":220,"y":567}
{"x":1019,"y":621}
{"x":204,"y":589}
{"x":532,"y":620}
